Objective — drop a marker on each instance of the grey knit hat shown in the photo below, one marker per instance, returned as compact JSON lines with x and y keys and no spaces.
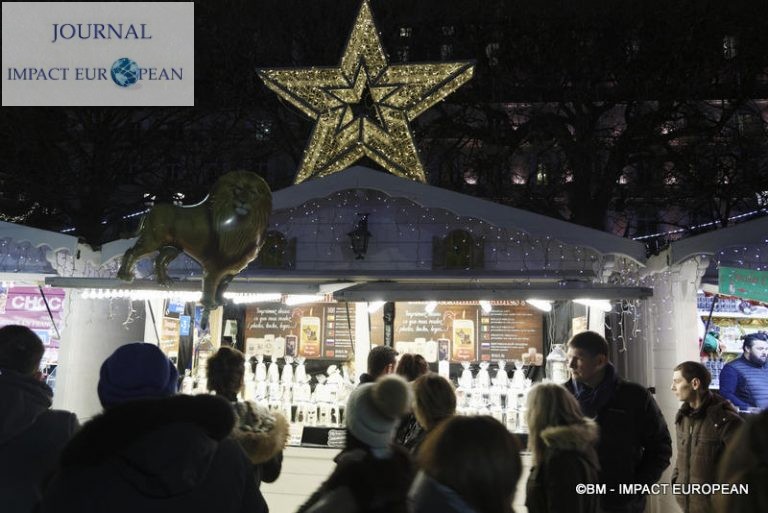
{"x":375,"y":409}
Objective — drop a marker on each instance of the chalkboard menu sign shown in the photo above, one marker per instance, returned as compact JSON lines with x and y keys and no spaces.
{"x":465,"y":333}
{"x":313,"y":330}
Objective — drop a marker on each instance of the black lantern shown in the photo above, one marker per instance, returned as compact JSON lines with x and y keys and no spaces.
{"x":359,"y":237}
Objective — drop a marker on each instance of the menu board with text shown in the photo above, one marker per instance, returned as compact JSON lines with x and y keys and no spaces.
{"x":313,"y":330}
{"x":460,"y":333}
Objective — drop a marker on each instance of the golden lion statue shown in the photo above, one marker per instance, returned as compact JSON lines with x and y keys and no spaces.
{"x":224,"y":233}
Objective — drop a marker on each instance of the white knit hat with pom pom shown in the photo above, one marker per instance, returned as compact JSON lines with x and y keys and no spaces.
{"x":374,"y":410}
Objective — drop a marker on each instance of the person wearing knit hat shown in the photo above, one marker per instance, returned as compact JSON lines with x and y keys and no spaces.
{"x":374,"y":411}
{"x":371,"y":474}
{"x":136,"y":371}
{"x":151,"y":449}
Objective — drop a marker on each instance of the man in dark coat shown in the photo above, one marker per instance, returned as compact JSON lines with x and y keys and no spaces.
{"x":381,"y":361}
{"x":31,"y":433}
{"x":705,"y":423}
{"x":635,"y":446}
{"x":151,"y":451}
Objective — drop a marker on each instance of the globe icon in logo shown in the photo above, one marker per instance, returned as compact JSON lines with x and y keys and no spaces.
{"x":125,"y":72}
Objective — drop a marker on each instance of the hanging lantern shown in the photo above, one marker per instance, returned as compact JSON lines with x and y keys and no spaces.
{"x":359,"y":237}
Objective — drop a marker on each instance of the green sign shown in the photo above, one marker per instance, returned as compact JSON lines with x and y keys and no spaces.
{"x":744,"y":283}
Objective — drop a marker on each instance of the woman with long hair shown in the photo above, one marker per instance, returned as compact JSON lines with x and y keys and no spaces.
{"x":434,"y":401}
{"x":562,"y":441}
{"x":261,"y":434}
{"x":410,"y":366}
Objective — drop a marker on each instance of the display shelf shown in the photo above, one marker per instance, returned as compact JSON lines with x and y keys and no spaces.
{"x":733,"y":315}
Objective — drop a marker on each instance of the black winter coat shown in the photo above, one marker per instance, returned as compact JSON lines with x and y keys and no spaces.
{"x":635,"y":445}
{"x":31,"y":439}
{"x":363,"y":483}
{"x":428,"y":496}
{"x":158,"y":455}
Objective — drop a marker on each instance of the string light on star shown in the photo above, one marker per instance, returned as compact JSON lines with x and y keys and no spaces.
{"x":363,"y":107}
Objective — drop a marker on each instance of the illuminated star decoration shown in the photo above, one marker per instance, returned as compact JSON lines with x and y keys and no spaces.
{"x":363,"y":107}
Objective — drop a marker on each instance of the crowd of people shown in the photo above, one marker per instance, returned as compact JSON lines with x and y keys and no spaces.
{"x":406,"y":450}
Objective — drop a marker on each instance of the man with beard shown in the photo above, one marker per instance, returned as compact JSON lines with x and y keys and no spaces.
{"x":744,"y":381}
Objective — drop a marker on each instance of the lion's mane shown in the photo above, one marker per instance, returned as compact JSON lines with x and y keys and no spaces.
{"x":237,"y":231}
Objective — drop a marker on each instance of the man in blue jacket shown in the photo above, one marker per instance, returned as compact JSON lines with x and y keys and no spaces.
{"x":744,"y":381}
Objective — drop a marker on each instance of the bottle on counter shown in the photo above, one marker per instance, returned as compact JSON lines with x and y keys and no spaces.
{"x":557,"y":368}
{"x":187,"y":382}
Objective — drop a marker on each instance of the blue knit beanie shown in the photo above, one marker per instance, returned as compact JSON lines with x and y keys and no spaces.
{"x":136,"y":371}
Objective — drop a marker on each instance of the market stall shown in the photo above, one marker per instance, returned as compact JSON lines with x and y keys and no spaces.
{"x":360,"y":237}
{"x":360,"y":258}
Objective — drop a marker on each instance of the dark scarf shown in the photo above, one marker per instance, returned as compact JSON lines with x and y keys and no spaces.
{"x":593,"y":400}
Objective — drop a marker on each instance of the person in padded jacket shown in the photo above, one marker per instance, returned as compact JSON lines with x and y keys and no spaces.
{"x":153,"y":451}
{"x":262,"y":434}
{"x":31,"y":433}
{"x":563,"y":444}
{"x":372,"y":474}
{"x":705,"y":425}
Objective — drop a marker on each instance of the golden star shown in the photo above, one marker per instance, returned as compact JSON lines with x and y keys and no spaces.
{"x":363,"y":107}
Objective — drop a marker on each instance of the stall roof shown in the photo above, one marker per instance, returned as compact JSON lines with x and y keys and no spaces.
{"x":37,"y":237}
{"x":359,"y":177}
{"x":710,"y":243}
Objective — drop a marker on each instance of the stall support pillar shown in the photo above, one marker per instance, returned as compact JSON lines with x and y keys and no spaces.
{"x":93,"y":329}
{"x":671,"y":338}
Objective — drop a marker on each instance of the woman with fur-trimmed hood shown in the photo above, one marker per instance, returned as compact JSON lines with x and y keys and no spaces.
{"x":563,"y":442}
{"x":261,"y":434}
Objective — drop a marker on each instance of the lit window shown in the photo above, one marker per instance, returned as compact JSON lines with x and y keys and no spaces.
{"x":632,"y":47}
{"x":448,"y":30}
{"x":670,"y":180}
{"x":406,"y":31}
{"x":446,"y":50}
{"x":402,"y":54}
{"x":729,"y":47}
{"x":491,"y":52}
{"x":541,"y":174}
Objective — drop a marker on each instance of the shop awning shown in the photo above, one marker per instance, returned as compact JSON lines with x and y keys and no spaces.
{"x":391,"y":291}
{"x":395,"y":285}
{"x":185,"y":285}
